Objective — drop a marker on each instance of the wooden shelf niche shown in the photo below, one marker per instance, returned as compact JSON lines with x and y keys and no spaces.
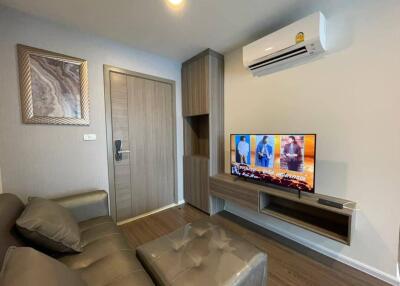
{"x":196,"y":132}
{"x":330,"y":223}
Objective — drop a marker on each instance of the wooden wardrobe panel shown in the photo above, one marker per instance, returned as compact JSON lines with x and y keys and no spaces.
{"x":195,"y":179}
{"x":195,"y":99}
{"x":216,"y":80}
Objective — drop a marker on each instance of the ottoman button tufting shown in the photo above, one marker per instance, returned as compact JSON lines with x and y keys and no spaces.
{"x":197,"y":261}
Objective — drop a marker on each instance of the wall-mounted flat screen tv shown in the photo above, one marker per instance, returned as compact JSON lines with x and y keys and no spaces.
{"x":284,"y":160}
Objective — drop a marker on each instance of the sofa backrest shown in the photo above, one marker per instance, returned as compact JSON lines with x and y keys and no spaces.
{"x":11,"y":208}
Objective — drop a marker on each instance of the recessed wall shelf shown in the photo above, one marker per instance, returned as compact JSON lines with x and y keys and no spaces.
{"x":304,"y":212}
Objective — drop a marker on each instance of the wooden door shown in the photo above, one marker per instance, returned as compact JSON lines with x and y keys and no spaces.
{"x":142,"y":114}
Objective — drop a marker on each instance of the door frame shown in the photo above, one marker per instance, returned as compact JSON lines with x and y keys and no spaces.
{"x":110,"y":147}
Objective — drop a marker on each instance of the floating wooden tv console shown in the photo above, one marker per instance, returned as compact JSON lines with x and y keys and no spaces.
{"x":304,"y":212}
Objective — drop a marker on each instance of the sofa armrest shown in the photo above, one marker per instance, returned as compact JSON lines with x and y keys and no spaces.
{"x":86,"y":205}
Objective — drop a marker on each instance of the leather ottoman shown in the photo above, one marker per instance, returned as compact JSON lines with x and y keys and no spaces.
{"x":202,"y":253}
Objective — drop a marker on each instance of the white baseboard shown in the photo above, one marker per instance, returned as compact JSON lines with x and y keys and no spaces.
{"x":150,"y":213}
{"x":323,"y":250}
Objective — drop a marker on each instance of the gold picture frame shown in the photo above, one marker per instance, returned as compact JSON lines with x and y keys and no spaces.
{"x":53,"y":87}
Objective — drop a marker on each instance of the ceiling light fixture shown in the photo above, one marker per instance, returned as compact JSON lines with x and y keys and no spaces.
{"x":175,"y":2}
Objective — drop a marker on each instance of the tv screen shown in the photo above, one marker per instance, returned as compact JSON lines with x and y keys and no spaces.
{"x":285,"y":160}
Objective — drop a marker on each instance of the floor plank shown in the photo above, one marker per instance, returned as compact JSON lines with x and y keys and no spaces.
{"x":289,"y":263}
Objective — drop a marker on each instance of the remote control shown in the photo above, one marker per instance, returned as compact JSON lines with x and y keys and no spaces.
{"x":330,"y":203}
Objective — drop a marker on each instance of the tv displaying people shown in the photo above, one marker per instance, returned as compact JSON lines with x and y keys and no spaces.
{"x":285,"y":160}
{"x":264,"y":156}
{"x":292,"y":155}
{"x":243,"y":149}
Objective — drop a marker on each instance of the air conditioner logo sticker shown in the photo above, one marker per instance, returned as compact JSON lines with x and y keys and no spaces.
{"x":299,"y":37}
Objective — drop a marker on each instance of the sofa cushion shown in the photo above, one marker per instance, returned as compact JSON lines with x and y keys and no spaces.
{"x":49,"y":225}
{"x":106,"y":258}
{"x":116,"y":269}
{"x":11,"y":208}
{"x":26,"y":266}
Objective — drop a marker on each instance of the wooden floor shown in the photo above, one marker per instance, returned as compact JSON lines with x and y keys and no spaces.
{"x":289,"y":263}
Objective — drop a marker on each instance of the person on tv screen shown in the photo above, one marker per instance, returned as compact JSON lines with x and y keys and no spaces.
{"x":292,"y":153}
{"x":243,"y":149}
{"x":263,"y":152}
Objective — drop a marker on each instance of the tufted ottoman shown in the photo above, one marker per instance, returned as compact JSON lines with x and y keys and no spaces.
{"x":203,"y":254}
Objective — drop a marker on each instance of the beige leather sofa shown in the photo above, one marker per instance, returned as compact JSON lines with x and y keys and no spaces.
{"x":200,"y":253}
{"x":106,"y":259}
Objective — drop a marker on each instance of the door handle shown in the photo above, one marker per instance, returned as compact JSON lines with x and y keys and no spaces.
{"x":118,"y":151}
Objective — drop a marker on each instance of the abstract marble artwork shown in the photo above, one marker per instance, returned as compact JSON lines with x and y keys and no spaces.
{"x":54,"y":87}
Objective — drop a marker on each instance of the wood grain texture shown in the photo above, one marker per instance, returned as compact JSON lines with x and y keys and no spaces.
{"x":203,"y":93}
{"x":305,"y":212}
{"x":120,"y":127}
{"x":152,"y":151}
{"x":195,"y":181}
{"x":216,"y":87}
{"x":159,"y":124}
{"x":195,"y":87}
{"x":231,"y":192}
{"x":306,"y":198}
{"x":216,"y":80}
{"x":289,"y":263}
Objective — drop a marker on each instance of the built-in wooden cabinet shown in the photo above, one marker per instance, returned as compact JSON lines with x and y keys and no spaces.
{"x":203,"y":127}
{"x":195,"y":73}
{"x":196,"y":181}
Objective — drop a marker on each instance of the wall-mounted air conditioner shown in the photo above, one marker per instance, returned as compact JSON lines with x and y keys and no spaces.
{"x":300,"y":40}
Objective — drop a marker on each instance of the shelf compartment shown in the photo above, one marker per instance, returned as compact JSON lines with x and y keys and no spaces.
{"x":329,"y":223}
{"x":196,"y":132}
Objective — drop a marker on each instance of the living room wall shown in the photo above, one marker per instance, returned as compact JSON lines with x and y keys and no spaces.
{"x":46,"y":160}
{"x":350,"y":98}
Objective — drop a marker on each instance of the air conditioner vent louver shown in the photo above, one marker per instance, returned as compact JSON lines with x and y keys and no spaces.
{"x":284,"y":56}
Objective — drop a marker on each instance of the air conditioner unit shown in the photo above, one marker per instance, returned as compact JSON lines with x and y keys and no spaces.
{"x":288,"y":46}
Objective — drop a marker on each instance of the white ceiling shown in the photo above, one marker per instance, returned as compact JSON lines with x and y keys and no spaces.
{"x":152,"y":26}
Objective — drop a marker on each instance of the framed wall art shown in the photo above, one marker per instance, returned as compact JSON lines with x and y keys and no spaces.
{"x":53,"y":87}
